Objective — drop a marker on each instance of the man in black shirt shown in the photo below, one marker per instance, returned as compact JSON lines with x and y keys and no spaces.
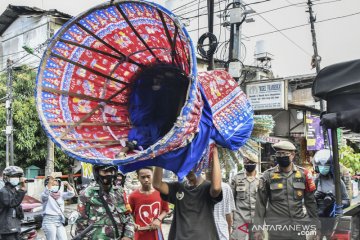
{"x":194,"y":202}
{"x":11,"y":211}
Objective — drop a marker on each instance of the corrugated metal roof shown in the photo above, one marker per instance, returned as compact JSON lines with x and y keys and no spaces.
{"x":12,"y":12}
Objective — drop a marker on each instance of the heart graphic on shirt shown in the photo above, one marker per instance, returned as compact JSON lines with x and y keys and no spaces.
{"x":149,"y":212}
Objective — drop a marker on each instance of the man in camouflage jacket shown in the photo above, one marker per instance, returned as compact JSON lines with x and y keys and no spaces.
{"x":92,"y":210}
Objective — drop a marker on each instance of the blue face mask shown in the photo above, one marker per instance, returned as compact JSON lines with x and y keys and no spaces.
{"x":324,"y":170}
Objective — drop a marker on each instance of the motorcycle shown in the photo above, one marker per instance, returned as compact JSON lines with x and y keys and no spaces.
{"x":28,"y":232}
{"x":74,"y":216}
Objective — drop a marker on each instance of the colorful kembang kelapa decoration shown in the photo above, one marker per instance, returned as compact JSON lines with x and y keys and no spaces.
{"x":118,"y":85}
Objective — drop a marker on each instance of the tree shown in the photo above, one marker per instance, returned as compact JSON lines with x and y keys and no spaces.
{"x":30,"y":140}
{"x":350,"y":159}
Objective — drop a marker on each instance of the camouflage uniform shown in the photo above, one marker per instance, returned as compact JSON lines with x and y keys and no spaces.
{"x":244,"y":190}
{"x":280,"y":200}
{"x":91,"y":210}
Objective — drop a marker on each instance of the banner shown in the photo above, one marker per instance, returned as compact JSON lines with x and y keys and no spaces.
{"x":314,"y":133}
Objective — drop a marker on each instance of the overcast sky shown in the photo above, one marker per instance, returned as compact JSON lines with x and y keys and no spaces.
{"x":338,"y":39}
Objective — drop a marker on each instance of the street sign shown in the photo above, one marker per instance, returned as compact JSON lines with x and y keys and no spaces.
{"x":267,"y":95}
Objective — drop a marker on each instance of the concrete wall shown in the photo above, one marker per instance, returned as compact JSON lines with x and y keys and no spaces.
{"x":35,"y":188}
{"x":28,"y":31}
{"x":303,"y":97}
{"x":32,"y":31}
{"x":285,"y":120}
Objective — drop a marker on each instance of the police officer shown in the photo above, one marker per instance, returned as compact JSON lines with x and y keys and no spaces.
{"x":281,"y":194}
{"x":104,"y":208}
{"x":244,"y":186}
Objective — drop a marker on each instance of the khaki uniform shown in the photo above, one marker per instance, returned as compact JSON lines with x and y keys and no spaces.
{"x":346,"y":177}
{"x":244,"y":189}
{"x":280,"y":199}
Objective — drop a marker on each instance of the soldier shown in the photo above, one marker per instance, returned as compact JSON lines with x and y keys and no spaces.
{"x":280,"y":197}
{"x":103,"y":207}
{"x":244,"y":186}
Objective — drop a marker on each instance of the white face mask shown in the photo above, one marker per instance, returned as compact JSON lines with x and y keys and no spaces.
{"x":14,"y":181}
{"x":54,"y":189}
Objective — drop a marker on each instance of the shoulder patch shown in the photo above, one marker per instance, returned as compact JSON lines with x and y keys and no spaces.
{"x":262,"y":184}
{"x":298,"y":174}
{"x":275,"y":176}
{"x":309,"y":181}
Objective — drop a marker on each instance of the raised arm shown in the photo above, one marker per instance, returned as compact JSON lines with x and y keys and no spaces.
{"x":215,"y":188}
{"x":158,"y":184}
{"x":70,"y":191}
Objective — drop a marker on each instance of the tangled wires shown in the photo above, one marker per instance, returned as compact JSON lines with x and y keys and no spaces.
{"x":213,"y":43}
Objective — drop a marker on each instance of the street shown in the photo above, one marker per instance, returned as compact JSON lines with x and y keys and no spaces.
{"x":72,"y":207}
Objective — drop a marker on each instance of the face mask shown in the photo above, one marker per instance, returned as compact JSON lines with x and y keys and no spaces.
{"x":249,"y":167}
{"x":14,"y":181}
{"x":54,"y":189}
{"x":283,"y":161}
{"x":324,"y":170}
{"x":107,"y":180}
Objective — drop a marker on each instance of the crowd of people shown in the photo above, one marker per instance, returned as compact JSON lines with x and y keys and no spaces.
{"x":203,"y":208}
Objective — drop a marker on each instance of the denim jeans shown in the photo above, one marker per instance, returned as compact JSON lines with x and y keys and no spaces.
{"x":53,"y":228}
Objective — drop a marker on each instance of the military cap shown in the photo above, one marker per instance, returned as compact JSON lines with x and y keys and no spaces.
{"x":249,"y":155}
{"x":284,"y":145}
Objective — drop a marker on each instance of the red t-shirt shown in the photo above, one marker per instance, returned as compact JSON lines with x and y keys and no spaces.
{"x":145,"y":208}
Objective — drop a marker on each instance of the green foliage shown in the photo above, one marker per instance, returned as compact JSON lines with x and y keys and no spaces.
{"x":30,"y":141}
{"x":350,"y":159}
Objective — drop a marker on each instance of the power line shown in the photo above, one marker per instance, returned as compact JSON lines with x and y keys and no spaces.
{"x":255,"y":14}
{"x":194,"y":10}
{"x":278,"y":8}
{"x":13,"y":63}
{"x":2,"y":56}
{"x":284,"y":35}
{"x":182,"y":7}
{"x":256,"y":2}
{"x":302,"y":4}
{"x":306,"y":24}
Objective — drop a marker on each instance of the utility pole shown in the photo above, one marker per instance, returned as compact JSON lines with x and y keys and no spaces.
{"x":235,"y":36}
{"x":49,"y":168}
{"x":316,"y":61}
{"x":316,"y":58}
{"x":9,"y":115}
{"x":210,"y":5}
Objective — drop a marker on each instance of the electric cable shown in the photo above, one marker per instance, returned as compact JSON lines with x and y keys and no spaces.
{"x":213,"y":43}
{"x":9,"y":54}
{"x":185,"y":6}
{"x":13,"y":63}
{"x":194,"y":10}
{"x":256,"y":2}
{"x":198,"y":25}
{"x":284,"y":35}
{"x":305,"y":24}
